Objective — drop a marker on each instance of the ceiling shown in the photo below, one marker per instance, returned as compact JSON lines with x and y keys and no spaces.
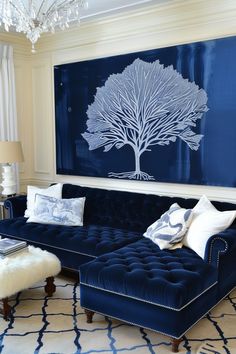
{"x":100,"y":8}
{"x":97,"y":8}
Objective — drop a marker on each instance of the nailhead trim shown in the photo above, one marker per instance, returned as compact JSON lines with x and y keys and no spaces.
{"x":219,"y":252}
{"x":152,"y":329}
{"x":147,"y":301}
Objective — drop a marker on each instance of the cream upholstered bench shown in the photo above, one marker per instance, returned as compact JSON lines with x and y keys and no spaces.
{"x":22,"y":270}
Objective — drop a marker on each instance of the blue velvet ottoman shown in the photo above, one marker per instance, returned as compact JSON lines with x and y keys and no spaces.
{"x":166,"y":291}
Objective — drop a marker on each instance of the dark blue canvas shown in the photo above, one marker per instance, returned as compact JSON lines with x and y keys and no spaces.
{"x":208,"y":64}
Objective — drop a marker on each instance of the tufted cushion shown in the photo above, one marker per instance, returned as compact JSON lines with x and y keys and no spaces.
{"x":92,"y":240}
{"x":127,"y":210}
{"x":141,"y":270}
{"x":124,"y":210}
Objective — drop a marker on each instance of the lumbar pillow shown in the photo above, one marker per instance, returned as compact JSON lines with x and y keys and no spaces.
{"x":49,"y":210}
{"x":53,"y":191}
{"x":207,"y":221}
{"x":169,"y":230}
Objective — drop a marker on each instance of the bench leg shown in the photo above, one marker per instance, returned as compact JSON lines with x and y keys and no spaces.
{"x":175,"y":345}
{"x":50,"y":287}
{"x":6,"y":309}
{"x":89,"y":315}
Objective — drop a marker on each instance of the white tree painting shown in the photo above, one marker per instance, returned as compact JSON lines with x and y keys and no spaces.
{"x":145,"y":105}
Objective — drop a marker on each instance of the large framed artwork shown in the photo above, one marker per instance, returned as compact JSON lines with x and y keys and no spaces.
{"x":166,"y":115}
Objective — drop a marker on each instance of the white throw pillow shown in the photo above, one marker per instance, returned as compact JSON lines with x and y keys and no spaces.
{"x":49,"y":210}
{"x":206,"y":222}
{"x":169,"y":230}
{"x":53,"y":191}
{"x":202,"y":206}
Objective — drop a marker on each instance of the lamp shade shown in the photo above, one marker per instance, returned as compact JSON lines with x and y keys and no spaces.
{"x":11,"y":151}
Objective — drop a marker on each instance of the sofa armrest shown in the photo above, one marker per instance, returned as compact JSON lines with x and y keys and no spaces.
{"x":16,"y":206}
{"x":219,"y":245}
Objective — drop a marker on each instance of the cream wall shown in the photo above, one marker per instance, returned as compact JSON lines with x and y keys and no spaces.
{"x":162,"y":25}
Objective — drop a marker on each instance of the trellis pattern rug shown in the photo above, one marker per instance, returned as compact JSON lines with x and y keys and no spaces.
{"x":58,"y":325}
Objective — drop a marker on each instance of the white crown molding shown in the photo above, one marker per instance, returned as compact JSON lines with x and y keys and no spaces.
{"x":171,"y":16}
{"x":19,"y":42}
{"x":162,"y":25}
{"x":196,"y":17}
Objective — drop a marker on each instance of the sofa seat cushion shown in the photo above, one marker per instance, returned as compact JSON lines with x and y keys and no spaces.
{"x":92,"y":240}
{"x":171,"y":279}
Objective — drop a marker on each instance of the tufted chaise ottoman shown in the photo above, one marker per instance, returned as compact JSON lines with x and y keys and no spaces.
{"x":22,"y":270}
{"x":166,"y":291}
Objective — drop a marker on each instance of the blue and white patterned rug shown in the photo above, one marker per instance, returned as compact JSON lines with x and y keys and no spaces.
{"x":58,"y":325}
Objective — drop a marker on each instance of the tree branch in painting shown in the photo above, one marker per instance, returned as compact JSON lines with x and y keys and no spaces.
{"x":145,"y":105}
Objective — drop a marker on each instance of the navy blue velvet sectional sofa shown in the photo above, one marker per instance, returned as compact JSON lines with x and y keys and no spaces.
{"x":127,"y":276}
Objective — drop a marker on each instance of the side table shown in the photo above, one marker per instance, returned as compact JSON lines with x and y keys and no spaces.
{"x":3,"y":212}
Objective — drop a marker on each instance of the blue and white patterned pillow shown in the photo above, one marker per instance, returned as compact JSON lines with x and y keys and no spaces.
{"x":169,"y":230}
{"x":49,"y":210}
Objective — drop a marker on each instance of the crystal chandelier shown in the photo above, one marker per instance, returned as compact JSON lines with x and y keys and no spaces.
{"x":34,"y":17}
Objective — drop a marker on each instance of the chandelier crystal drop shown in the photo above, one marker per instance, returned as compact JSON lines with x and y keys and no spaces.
{"x":34,"y":17}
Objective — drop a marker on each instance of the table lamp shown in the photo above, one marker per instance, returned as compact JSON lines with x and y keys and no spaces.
{"x":10,"y":152}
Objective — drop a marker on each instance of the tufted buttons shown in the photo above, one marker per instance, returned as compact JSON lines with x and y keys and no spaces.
{"x":122,"y":210}
{"x":89,"y":240}
{"x":167,"y":278}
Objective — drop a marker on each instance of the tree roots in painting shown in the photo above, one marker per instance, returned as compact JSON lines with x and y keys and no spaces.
{"x":141,"y":176}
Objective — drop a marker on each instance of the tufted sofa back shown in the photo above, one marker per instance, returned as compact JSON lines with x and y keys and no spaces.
{"x":126,"y":210}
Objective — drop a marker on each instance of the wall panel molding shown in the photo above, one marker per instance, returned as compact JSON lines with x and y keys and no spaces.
{"x":41,"y":102}
{"x":24,"y":112}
